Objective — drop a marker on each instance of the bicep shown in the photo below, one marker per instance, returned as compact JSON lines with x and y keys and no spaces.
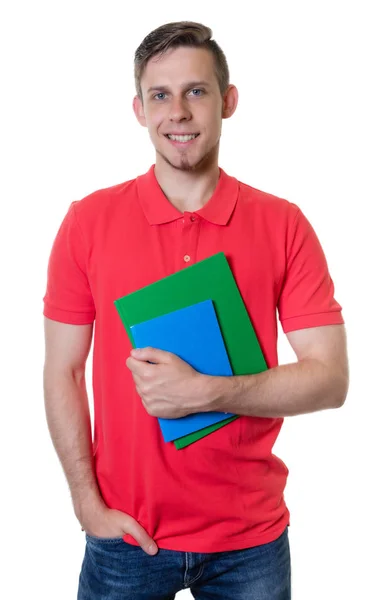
{"x":66,"y":347}
{"x":328,"y":344}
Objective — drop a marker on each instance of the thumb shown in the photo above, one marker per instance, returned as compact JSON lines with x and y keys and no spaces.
{"x":141,"y":536}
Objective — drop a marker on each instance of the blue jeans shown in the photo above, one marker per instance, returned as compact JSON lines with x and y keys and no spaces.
{"x":116,"y":570}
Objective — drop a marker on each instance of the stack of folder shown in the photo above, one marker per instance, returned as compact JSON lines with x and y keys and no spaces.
{"x":199,"y":315}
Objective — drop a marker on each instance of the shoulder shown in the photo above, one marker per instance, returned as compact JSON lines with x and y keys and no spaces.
{"x":266,"y":204}
{"x":105,"y":201}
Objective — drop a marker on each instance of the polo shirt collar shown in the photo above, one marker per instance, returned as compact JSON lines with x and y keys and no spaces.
{"x":159,"y":210}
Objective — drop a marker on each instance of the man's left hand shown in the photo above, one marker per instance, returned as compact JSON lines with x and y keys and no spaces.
{"x":170,"y":388}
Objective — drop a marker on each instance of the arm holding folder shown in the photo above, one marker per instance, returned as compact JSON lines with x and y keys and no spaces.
{"x":313,"y":383}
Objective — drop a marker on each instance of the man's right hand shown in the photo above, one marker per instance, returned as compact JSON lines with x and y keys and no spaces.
{"x":106,"y":522}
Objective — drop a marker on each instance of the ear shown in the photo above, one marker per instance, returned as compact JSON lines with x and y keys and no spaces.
{"x":230,"y":101}
{"x":138,"y":109}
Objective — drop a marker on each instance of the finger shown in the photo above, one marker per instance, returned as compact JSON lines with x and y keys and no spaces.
{"x":130,"y":362}
{"x":141,"y":536}
{"x":135,"y":366}
{"x":153,"y":355}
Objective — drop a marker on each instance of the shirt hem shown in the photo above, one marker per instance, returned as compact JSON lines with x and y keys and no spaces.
{"x":208,"y":546}
{"x":312,"y":320}
{"x":67,"y":316}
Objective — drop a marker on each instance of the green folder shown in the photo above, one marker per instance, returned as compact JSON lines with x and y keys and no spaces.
{"x":210,"y":278}
{"x":186,"y":440}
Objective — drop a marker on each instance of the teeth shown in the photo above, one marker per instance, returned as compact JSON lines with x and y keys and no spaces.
{"x":182,"y":138}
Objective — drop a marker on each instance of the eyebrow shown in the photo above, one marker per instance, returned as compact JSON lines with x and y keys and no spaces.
{"x":190,"y":84}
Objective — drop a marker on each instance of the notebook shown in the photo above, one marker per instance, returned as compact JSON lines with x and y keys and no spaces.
{"x":193,"y":334}
{"x":210,"y":278}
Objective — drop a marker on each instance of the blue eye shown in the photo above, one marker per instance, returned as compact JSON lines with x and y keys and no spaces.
{"x":159,"y":94}
{"x":197,"y":90}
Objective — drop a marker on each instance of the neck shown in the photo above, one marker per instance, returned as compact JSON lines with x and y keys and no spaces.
{"x":187,"y":190}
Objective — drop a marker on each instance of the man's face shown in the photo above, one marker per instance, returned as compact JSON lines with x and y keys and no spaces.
{"x":181,"y":97}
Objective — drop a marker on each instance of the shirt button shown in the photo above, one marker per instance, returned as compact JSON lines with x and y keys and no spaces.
{"x":192,"y":218}
{"x":186,"y":258}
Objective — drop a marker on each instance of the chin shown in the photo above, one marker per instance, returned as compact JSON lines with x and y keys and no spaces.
{"x":185,"y":162}
{"x":182,"y":163}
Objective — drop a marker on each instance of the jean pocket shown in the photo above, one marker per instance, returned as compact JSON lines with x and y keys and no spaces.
{"x":100,"y":540}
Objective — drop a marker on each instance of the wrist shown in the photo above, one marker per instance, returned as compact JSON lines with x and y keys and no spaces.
{"x":89,"y":505}
{"x":218,"y":393}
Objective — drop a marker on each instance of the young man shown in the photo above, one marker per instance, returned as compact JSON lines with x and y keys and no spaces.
{"x":212,"y":516}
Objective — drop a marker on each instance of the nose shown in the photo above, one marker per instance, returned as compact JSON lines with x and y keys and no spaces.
{"x":179,"y":111}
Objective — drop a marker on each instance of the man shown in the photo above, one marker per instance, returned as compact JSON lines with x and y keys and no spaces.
{"x":210,"y":517}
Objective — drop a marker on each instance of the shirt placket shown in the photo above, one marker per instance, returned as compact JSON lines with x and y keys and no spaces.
{"x":190,"y":236}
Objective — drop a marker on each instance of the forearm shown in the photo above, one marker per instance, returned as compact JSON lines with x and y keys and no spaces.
{"x":68,"y":419}
{"x":287,"y":390}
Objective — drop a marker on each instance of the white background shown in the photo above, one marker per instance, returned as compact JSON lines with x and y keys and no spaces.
{"x":306,"y":129}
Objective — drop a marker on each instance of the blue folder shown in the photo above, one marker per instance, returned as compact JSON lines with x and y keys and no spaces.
{"x":193,"y":334}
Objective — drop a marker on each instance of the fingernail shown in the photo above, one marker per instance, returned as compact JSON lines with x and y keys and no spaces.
{"x":152,"y":549}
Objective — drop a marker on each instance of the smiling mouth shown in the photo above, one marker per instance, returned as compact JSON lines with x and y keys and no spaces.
{"x":182,"y":138}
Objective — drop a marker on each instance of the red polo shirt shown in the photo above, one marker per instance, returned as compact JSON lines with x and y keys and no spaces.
{"x":224,"y":492}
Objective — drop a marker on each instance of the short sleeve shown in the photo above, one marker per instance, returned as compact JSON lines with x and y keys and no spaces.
{"x":68,"y":296}
{"x":307,"y":295}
